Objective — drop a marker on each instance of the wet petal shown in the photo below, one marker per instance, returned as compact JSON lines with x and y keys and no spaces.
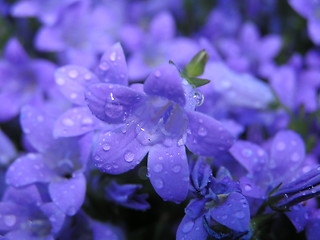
{"x":75,"y":122}
{"x":12,"y":215}
{"x":25,"y":196}
{"x":55,"y":216}
{"x":113,"y":66}
{"x":206,"y":136}
{"x":298,"y":216}
{"x":112,"y":103}
{"x":287,"y":154}
{"x":119,"y":151}
{"x":28,"y":169}
{"x":169,"y":172}
{"x":72,"y":81}
{"x":37,"y":127}
{"x":166,"y":82}
{"x":68,"y":194}
{"x":191,"y":229}
{"x":233,"y":213}
{"x":251,"y":189}
{"x":250,"y":155}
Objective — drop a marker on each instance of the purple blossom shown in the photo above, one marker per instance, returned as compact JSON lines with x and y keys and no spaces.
{"x":23,"y":80}
{"x":160,"y":121}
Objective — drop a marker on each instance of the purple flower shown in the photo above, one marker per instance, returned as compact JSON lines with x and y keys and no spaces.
{"x":309,"y":9}
{"x":7,"y":150}
{"x":59,"y":162}
{"x":22,"y":80}
{"x":26,"y":215}
{"x":160,"y":121}
{"x":80,"y":34}
{"x":126,"y":195}
{"x":218,"y":201}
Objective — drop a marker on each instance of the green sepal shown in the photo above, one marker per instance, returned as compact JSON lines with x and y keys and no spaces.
{"x":197,"y":64}
{"x":195,"y":82}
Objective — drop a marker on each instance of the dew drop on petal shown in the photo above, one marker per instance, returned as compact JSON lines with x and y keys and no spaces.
{"x":187,"y":226}
{"x":239,"y":214}
{"x":199,"y":98}
{"x":113,"y":110}
{"x":68,"y":122}
{"x":246,"y":152}
{"x":281,"y":146}
{"x":247,"y":187}
{"x":157,"y":73}
{"x":158,"y":183}
{"x":104,"y":66}
{"x":73,"y":73}
{"x":87,"y":121}
{"x":202,"y":131}
{"x":158,"y":168}
{"x":129,"y":156}
{"x":295,"y":157}
{"x":73,"y":95}
{"x":87,"y":76}
{"x":106,"y":147}
{"x":60,"y":81}
{"x":176,"y":168}
{"x":10,"y":220}
{"x":113,"y":56}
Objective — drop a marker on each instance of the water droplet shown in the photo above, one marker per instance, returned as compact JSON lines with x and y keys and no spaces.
{"x":260,"y":152}
{"x":104,"y":66}
{"x":180,"y":142}
{"x":113,"y":110}
{"x":71,"y":211}
{"x":10,"y":220}
{"x":176,"y":168}
{"x":87,"y":76}
{"x":129,"y":156}
{"x":73,"y":73}
{"x":106,"y":147}
{"x":60,"y":81}
{"x":286,"y":195}
{"x":187,"y":226}
{"x":68,"y":122}
{"x":295,"y":157}
{"x":281,"y":146}
{"x":247,"y":187}
{"x":202,"y":131}
{"x":158,"y":183}
{"x":240,"y":214}
{"x":199,"y":98}
{"x":113,"y":56}
{"x":158,"y":168}
{"x":73,"y":95}
{"x":246,"y":152}
{"x":157,"y":73}
{"x":97,"y":158}
{"x":87,"y":121}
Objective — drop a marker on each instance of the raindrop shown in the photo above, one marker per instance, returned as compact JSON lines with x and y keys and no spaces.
{"x":295,"y":157}
{"x":73,"y":73}
{"x":113,"y":110}
{"x":113,"y":56}
{"x":246,"y":152}
{"x":87,"y":121}
{"x":202,"y":131}
{"x":67,"y":122}
{"x":87,"y":76}
{"x":187,"y":227}
{"x":97,"y":158}
{"x":157,"y":73}
{"x":247,"y":187}
{"x":176,"y":169}
{"x":129,"y":156}
{"x":71,"y":211}
{"x":60,"y":81}
{"x":240,"y":214}
{"x":10,"y":220}
{"x":158,"y":168}
{"x":199,"y":98}
{"x":73,"y":95}
{"x":281,"y":146}
{"x":180,"y":142}
{"x":106,"y":147}
{"x":158,"y":183}
{"x":104,"y":66}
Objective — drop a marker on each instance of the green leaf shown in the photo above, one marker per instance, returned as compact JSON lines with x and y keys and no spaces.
{"x":196,"y":66}
{"x":195,"y":82}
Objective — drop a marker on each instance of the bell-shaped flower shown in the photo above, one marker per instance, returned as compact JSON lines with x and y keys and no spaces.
{"x":160,"y":121}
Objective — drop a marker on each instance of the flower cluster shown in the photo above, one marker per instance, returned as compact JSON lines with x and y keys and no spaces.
{"x":158,"y":119}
